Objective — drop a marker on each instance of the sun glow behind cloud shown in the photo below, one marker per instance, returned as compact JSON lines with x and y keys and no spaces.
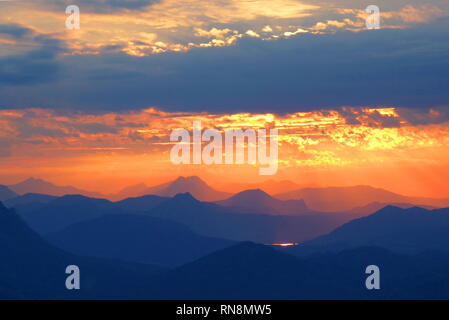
{"x":385,"y":147}
{"x":334,"y":147}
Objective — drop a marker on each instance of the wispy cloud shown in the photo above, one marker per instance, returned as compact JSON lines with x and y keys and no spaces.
{"x":340,"y":146}
{"x":144,"y":27}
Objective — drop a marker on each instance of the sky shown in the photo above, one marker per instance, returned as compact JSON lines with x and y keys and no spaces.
{"x":94,"y":107}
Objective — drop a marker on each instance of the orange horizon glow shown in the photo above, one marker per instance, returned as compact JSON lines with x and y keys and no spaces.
{"x":107,"y":152}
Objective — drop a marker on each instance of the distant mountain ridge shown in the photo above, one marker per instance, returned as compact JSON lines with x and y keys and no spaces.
{"x":259,"y":201}
{"x":29,"y":198}
{"x":358,"y":199}
{"x":193,"y":185}
{"x":409,"y":230}
{"x":346,"y":198}
{"x":46,"y":215}
{"x":63,"y":211}
{"x":133,"y":191}
{"x":40,"y":186}
{"x":136,"y":238}
{"x":211,"y":219}
{"x":140,"y":204}
{"x":270,"y":186}
{"x":6,"y":193}
{"x":251,"y":215}
{"x":31,"y":268}
{"x":376,"y":206}
{"x":257,"y":272}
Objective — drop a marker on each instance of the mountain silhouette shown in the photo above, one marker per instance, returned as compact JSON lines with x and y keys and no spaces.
{"x":193,"y":185}
{"x":64,"y":211}
{"x":269,"y":186}
{"x":239,"y":272}
{"x":29,"y":198}
{"x":204,"y":218}
{"x":347,"y":198}
{"x":257,"y":272}
{"x":401,"y":230}
{"x":259,"y":201}
{"x":40,"y":186}
{"x":140,"y":204}
{"x":6,"y":193}
{"x":30,"y":268}
{"x":136,"y":238}
{"x":210,"y":219}
{"x":376,"y":206}
{"x":130,"y":192}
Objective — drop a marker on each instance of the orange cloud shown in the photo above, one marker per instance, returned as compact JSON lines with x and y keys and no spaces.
{"x":160,"y":27}
{"x":123,"y":145}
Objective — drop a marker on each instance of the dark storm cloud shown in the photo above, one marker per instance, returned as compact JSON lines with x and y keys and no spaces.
{"x":37,"y":65}
{"x":398,"y":68}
